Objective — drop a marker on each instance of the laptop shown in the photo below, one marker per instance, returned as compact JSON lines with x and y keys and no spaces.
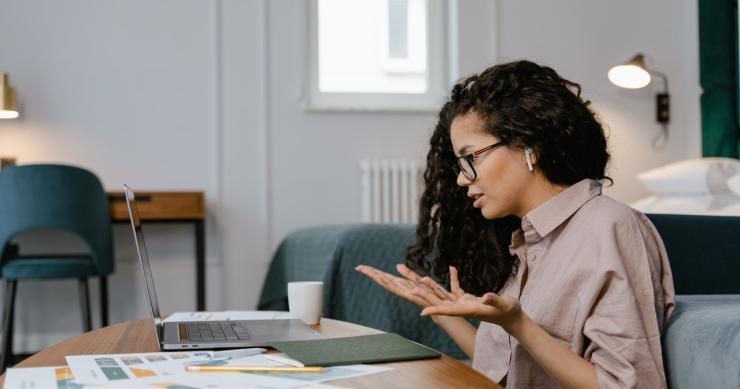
{"x":209,"y":334}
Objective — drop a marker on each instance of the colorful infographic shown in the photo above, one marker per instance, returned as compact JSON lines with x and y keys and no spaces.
{"x":102,"y":369}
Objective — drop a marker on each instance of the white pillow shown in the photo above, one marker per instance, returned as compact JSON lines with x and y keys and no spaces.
{"x":733,"y":183}
{"x":727,"y":204}
{"x":691,"y":176}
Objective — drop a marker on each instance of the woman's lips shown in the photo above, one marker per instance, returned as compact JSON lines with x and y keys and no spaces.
{"x":477,"y":201}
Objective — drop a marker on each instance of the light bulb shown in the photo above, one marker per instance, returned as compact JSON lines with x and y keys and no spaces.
{"x":629,"y":76}
{"x":8,"y":114}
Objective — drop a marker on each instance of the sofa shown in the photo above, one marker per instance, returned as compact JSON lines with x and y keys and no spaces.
{"x":701,"y":341}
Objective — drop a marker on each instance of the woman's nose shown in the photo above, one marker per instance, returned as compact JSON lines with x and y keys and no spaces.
{"x":462,"y":180}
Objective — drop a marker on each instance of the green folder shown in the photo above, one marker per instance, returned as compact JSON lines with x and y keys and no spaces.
{"x":387,"y":347}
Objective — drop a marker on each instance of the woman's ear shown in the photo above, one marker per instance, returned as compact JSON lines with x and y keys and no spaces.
{"x":531,"y":159}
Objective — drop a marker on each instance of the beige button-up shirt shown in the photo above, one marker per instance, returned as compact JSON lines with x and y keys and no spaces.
{"x":598,"y":280}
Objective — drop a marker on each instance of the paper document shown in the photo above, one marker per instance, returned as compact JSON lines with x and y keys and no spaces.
{"x":328,"y":374}
{"x":101,"y":369}
{"x":337,"y":373}
{"x":59,"y":377}
{"x":227,"y":315}
{"x":217,"y":381}
{"x":167,"y":370}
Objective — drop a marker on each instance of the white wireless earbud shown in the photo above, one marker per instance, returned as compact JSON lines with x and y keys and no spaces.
{"x":528,"y":155}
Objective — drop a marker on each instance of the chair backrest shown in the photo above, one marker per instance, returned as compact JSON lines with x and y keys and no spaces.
{"x":57,"y":197}
{"x":704,"y":252}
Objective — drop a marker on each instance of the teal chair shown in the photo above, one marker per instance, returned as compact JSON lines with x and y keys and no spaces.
{"x":60,"y":198}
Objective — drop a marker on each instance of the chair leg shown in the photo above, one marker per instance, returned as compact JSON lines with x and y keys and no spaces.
{"x":103,"y":301}
{"x":7,"y":355}
{"x":85,"y":304}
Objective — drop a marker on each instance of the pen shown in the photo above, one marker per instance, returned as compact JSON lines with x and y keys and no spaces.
{"x":230,"y":354}
{"x":253,"y":369}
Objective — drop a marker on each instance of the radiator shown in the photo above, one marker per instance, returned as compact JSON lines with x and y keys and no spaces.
{"x":390,"y":190}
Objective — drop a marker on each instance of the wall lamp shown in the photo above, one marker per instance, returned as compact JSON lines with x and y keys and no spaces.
{"x":634,"y":74}
{"x":8,"y":109}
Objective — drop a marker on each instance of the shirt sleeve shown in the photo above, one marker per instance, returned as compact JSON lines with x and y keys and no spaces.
{"x":628,"y":305}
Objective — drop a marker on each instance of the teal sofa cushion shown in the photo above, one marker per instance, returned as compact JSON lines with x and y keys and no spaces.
{"x":702,"y":342}
{"x":304,"y":255}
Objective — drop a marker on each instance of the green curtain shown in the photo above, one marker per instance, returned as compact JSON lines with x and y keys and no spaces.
{"x":718,"y":60}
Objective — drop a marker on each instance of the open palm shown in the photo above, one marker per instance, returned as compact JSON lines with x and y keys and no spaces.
{"x":436,"y":300}
{"x":501,"y":310}
{"x":400,"y":286}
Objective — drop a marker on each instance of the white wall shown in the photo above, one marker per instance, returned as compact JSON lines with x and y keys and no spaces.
{"x":207,"y":96}
{"x":128,"y":90}
{"x":582,"y":39}
{"x":314,"y":156}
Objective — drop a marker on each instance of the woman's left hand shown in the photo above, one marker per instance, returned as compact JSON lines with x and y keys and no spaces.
{"x":501,"y":310}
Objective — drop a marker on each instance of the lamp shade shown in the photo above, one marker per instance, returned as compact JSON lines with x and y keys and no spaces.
{"x":8,"y":109}
{"x":631,"y":75}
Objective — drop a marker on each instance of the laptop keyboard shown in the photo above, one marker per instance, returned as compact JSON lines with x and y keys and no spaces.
{"x":212,"y":331}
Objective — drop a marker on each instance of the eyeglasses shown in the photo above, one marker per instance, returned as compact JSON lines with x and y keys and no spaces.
{"x":465,"y":163}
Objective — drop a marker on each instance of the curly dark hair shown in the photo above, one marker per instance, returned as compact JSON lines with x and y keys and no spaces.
{"x":521,"y":103}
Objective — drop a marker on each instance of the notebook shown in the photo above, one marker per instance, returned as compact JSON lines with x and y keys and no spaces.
{"x":387,"y":347}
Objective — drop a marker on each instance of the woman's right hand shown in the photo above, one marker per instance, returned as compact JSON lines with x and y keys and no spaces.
{"x":400,"y":286}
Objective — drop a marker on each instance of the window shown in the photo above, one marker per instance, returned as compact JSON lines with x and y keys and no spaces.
{"x":377,"y":55}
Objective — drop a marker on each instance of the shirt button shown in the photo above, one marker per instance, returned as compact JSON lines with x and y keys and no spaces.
{"x":531,"y":256}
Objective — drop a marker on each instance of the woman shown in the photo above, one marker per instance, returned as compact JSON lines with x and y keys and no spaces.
{"x":572,"y":288}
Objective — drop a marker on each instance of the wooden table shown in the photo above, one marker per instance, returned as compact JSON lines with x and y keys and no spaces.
{"x":137,"y":336}
{"x":170,"y":207}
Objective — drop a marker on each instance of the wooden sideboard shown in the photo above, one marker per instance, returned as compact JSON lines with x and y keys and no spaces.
{"x":171,"y":207}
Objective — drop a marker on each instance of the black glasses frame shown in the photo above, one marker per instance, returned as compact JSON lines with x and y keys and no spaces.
{"x":469,"y":159}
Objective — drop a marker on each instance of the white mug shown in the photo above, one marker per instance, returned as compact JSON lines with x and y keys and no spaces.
{"x":306,"y":300}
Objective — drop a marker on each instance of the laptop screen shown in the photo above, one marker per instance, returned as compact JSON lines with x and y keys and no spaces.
{"x":133,"y":214}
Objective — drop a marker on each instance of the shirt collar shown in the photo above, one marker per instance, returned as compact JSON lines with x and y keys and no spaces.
{"x":555,"y":211}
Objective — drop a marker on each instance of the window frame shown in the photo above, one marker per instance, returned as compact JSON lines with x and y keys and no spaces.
{"x":437,"y":74}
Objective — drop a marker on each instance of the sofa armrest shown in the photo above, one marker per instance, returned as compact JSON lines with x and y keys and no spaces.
{"x":304,"y":255}
{"x":701,"y":343}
